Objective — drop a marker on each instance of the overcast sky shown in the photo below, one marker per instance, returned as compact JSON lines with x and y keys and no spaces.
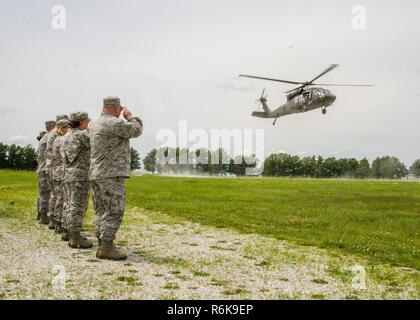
{"x":178,"y":60}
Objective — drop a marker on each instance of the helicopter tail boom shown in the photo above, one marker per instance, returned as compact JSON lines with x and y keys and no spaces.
{"x":265,"y":105}
{"x":260,"y":114}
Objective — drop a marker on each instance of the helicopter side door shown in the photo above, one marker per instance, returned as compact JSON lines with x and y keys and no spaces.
{"x":307,"y":95}
{"x":297,"y":102}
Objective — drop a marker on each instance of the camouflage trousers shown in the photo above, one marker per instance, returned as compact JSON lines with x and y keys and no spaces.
{"x":43,"y":192}
{"x":109,"y":203}
{"x":66,"y":206}
{"x":76,"y":204}
{"x":58,"y":201}
{"x":51,"y":200}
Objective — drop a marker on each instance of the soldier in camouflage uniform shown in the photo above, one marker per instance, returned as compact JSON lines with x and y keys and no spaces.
{"x":40,"y":135}
{"x":43,"y":183}
{"x":51,"y":136}
{"x":109,"y":167}
{"x":76,"y":154}
{"x":57,"y":165}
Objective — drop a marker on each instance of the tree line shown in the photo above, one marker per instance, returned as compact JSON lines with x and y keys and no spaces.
{"x":202,"y":161}
{"x":283,"y":164}
{"x":168,"y":160}
{"x":278,"y":165}
{"x":25,"y":158}
{"x":17,"y":157}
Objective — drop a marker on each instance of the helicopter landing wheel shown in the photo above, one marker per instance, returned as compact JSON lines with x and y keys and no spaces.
{"x":304,"y":108}
{"x":324,"y":110}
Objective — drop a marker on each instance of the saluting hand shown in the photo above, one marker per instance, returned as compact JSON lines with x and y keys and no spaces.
{"x":127,"y":113}
{"x":89,"y":125}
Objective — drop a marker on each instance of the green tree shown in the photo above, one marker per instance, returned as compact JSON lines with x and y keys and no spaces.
{"x":219,"y":162}
{"x":150,"y":161}
{"x":29,"y":158}
{"x":135,"y":159}
{"x":363,"y":169}
{"x":202,"y":164}
{"x":309,"y":166}
{"x":388,"y":168}
{"x":328,"y":168}
{"x":415,"y":168}
{"x":15,"y":157}
{"x":352,"y":165}
{"x":239,"y":164}
{"x":283,"y":164}
{"x":4,"y":149}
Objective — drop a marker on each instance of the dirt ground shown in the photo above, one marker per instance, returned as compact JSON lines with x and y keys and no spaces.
{"x":182,"y":260}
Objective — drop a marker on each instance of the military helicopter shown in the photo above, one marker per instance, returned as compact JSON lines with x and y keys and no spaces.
{"x":308,"y":96}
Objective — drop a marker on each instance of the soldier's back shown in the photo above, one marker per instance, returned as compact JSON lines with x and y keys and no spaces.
{"x":41,"y":154}
{"x":57,"y":163}
{"x":76,"y":152}
{"x":110,"y":149}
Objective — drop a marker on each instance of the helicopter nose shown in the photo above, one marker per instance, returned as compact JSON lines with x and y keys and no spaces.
{"x":331,"y":98}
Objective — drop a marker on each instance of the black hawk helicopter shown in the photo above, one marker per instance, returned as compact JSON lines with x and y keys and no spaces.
{"x":308,"y":96}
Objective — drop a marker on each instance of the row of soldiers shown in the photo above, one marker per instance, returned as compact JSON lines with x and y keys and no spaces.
{"x":75,"y":155}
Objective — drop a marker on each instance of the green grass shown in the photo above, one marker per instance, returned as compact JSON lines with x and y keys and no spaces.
{"x":378,"y":220}
{"x":171,"y":286}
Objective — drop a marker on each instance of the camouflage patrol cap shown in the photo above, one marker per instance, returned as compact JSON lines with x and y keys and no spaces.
{"x":63,"y":123}
{"x":50,"y":123}
{"x":112,"y":102}
{"x":79,"y":116}
{"x":61,"y":116}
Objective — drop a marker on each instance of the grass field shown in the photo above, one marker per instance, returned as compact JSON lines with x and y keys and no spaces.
{"x":375,"y":219}
{"x":378,"y":220}
{"x":223,"y":238}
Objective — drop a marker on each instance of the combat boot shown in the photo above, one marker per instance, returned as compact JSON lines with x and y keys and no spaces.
{"x":43,"y":218}
{"x":107,"y":250}
{"x":65,"y":236}
{"x":52,"y":224}
{"x":78,"y":242}
{"x":58,"y":228}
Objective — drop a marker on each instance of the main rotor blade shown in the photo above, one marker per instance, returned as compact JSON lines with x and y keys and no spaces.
{"x":331,"y":67}
{"x":270,"y":79}
{"x":343,"y":85}
{"x":295,"y":89}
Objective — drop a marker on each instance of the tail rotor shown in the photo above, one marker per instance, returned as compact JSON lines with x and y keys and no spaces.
{"x":262,"y":99}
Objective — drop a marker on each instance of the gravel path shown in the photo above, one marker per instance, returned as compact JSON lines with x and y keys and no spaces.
{"x":169,"y":260}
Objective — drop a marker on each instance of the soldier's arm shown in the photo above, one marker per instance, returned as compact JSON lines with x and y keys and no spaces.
{"x":61,"y":149}
{"x":84,"y":139}
{"x":41,"y":151}
{"x":49,"y":148}
{"x":132,"y":128}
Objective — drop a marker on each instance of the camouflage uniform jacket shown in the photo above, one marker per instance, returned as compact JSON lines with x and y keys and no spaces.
{"x":41,"y":154}
{"x":76,"y":155}
{"x":110,"y":146}
{"x":48,"y":151}
{"x":57,"y":162}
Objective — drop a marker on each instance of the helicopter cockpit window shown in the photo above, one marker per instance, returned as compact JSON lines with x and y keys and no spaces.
{"x":307,"y":95}
{"x":321,"y":92}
